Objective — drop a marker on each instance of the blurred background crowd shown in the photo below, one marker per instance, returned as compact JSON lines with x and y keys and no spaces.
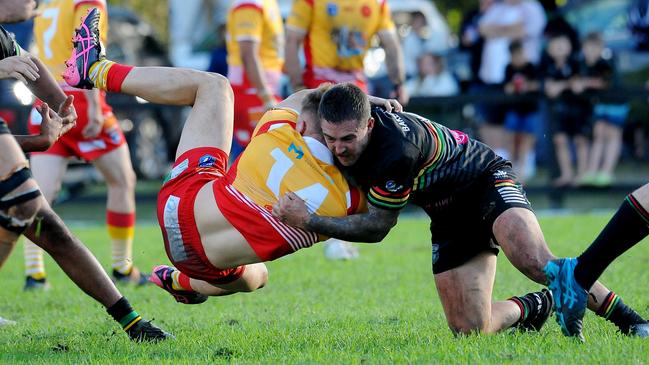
{"x":556,"y":86}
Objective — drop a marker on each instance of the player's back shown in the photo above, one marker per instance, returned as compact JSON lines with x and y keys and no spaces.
{"x":54,"y":29}
{"x":278,"y":160}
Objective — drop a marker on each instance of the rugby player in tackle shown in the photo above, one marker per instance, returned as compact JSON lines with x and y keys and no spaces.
{"x":217,"y":227}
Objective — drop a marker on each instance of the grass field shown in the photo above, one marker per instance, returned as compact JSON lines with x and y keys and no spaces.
{"x":380,"y":309}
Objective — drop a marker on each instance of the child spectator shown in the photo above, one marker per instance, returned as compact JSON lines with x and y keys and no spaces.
{"x":522,"y":119}
{"x":569,"y":113}
{"x":432,"y":79}
{"x":609,"y":117}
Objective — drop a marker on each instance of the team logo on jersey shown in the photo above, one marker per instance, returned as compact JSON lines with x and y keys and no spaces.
{"x":460,"y":137}
{"x":435,"y":253}
{"x":366,"y":11}
{"x":392,"y":186}
{"x":206,"y":161}
{"x":114,"y":135}
{"x":332,"y":9}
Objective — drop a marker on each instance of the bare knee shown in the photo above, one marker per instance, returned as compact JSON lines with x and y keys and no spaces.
{"x":215,"y":83}
{"x":461,"y":325}
{"x":256,"y":277}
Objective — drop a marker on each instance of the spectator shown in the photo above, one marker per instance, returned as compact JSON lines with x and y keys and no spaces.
{"x":432,"y":78}
{"x":504,"y":22}
{"x":597,"y":74}
{"x":568,"y":112}
{"x":471,"y":40}
{"x":419,"y":40}
{"x":638,"y":23}
{"x":522,"y":120}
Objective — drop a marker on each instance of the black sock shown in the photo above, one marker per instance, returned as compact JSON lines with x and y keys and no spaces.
{"x":619,"y":313}
{"x":629,"y":225}
{"x":124,"y":314}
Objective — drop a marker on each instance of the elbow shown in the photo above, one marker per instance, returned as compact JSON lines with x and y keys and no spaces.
{"x":379,"y":234}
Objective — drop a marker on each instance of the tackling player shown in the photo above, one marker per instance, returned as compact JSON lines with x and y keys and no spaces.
{"x":459,"y":182}
{"x":217,"y":226}
{"x":96,"y":138}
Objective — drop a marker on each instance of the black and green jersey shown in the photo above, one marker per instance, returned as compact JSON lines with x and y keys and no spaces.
{"x":410,"y":158}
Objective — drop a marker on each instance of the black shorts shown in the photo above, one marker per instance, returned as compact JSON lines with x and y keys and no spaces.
{"x":463,"y":228}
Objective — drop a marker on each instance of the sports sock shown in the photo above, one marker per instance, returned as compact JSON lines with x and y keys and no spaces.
{"x":34,"y":265}
{"x":521,"y":306}
{"x":121,"y":229}
{"x":124,"y":314}
{"x":108,"y":75}
{"x":180,"y":281}
{"x":530,"y":304}
{"x":629,"y":225}
{"x":613,"y":309}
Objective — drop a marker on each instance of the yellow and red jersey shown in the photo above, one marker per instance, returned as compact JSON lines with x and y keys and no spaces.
{"x":259,"y":21}
{"x":54,"y":29}
{"x":338,"y":33}
{"x":278,"y":160}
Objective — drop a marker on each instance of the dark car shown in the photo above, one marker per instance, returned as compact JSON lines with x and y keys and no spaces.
{"x":152,"y":131}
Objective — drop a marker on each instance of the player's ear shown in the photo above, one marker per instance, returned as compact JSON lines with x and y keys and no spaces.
{"x":370,"y":124}
{"x":300,"y":127}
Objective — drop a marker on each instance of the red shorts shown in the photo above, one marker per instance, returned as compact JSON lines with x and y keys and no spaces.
{"x":266,"y":235}
{"x":192,"y":170}
{"x":73,"y":144}
{"x":248,"y":110}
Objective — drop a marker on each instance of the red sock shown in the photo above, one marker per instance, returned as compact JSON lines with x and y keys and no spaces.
{"x":116,"y":75}
{"x":183,"y":281}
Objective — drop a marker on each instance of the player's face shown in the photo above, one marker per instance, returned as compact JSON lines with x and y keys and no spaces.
{"x":347,"y":140}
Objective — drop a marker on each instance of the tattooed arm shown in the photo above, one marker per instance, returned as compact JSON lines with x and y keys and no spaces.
{"x":372,"y":226}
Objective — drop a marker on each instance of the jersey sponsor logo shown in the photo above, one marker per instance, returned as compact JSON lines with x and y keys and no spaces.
{"x":392,"y":186}
{"x":206,"y":161}
{"x":500,"y":174}
{"x":115,"y":136}
{"x":299,"y":153}
{"x":402,"y":124}
{"x":172,"y":228}
{"x":94,"y":145}
{"x":178,"y":169}
{"x":332,"y":9}
{"x":366,"y":11}
{"x":460,"y":137}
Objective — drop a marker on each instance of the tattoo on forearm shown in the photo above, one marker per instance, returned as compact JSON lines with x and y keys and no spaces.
{"x":367,"y":227}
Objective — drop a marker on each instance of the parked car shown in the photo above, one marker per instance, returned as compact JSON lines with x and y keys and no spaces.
{"x":152,"y":131}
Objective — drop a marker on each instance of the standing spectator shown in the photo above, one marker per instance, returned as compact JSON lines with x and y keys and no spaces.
{"x":522,"y":119}
{"x":470,"y":38}
{"x":336,"y":37}
{"x":568,"y":112}
{"x":609,"y":117}
{"x":255,"y":42}
{"x":504,"y":22}
{"x":97,"y":138}
{"x":638,"y":23}
{"x":419,"y":40}
{"x":432,"y":78}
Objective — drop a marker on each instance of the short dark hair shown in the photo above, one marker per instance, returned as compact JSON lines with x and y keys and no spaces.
{"x":515,"y":46}
{"x":594,"y":37}
{"x":344,"y":102}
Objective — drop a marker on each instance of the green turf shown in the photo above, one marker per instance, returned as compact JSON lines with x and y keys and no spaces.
{"x":380,"y":309}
